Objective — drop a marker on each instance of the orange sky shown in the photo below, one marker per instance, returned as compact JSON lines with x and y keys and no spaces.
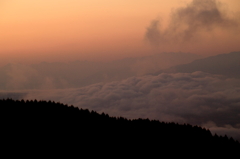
{"x":67,"y":30}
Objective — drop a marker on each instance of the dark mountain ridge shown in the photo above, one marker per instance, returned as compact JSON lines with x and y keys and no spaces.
{"x":41,"y":127}
{"x":224,"y":64}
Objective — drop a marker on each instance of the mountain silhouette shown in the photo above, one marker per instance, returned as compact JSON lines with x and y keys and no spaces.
{"x":42,"y":127}
{"x":224,"y":64}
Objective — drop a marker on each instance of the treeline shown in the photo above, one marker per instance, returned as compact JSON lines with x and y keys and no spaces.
{"x":46,"y":126}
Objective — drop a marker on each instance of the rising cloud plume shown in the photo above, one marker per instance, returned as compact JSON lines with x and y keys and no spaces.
{"x":190,"y":22}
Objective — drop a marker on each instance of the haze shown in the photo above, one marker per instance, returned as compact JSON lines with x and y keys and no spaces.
{"x":60,"y":30}
{"x":175,"y":60}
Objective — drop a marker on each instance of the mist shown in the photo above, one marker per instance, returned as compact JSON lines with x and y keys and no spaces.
{"x":77,"y":74}
{"x":118,"y":58}
{"x":197,"y":98}
{"x":126,"y":88}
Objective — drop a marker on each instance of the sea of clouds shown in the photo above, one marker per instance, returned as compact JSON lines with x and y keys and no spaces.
{"x":198,"y":98}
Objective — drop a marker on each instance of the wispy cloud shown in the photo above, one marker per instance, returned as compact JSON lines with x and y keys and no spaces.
{"x":187,"y":23}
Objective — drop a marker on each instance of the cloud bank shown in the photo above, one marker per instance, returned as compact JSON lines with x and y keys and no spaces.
{"x":82,"y":73}
{"x":195,"y":98}
{"x":189,"y":22}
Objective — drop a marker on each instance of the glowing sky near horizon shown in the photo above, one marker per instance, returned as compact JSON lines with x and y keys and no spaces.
{"x":67,"y":30}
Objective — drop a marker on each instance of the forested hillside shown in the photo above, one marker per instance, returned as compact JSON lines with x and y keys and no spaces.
{"x":46,"y":126}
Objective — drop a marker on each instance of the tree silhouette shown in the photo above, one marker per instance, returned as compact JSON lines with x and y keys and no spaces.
{"x":47,"y":126}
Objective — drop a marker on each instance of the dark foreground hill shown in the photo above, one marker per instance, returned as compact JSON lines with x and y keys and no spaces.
{"x":36,"y":128}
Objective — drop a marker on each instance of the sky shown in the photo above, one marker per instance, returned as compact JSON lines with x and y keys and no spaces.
{"x":68,"y":30}
{"x":121,"y":57}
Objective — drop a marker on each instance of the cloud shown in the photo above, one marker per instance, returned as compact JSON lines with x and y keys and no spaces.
{"x":19,"y":76}
{"x":187,"y":23}
{"x":13,"y":95}
{"x":194,"y":98}
{"x":24,"y":77}
{"x":197,"y":96}
{"x":83,"y":73}
{"x":223,"y":130}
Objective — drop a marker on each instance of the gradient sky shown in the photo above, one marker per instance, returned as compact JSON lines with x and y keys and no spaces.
{"x":67,"y":30}
{"x":35,"y":31}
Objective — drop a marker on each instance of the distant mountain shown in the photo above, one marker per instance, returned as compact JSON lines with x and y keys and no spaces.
{"x":223,"y":64}
{"x":41,"y":127}
{"x":82,"y":73}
